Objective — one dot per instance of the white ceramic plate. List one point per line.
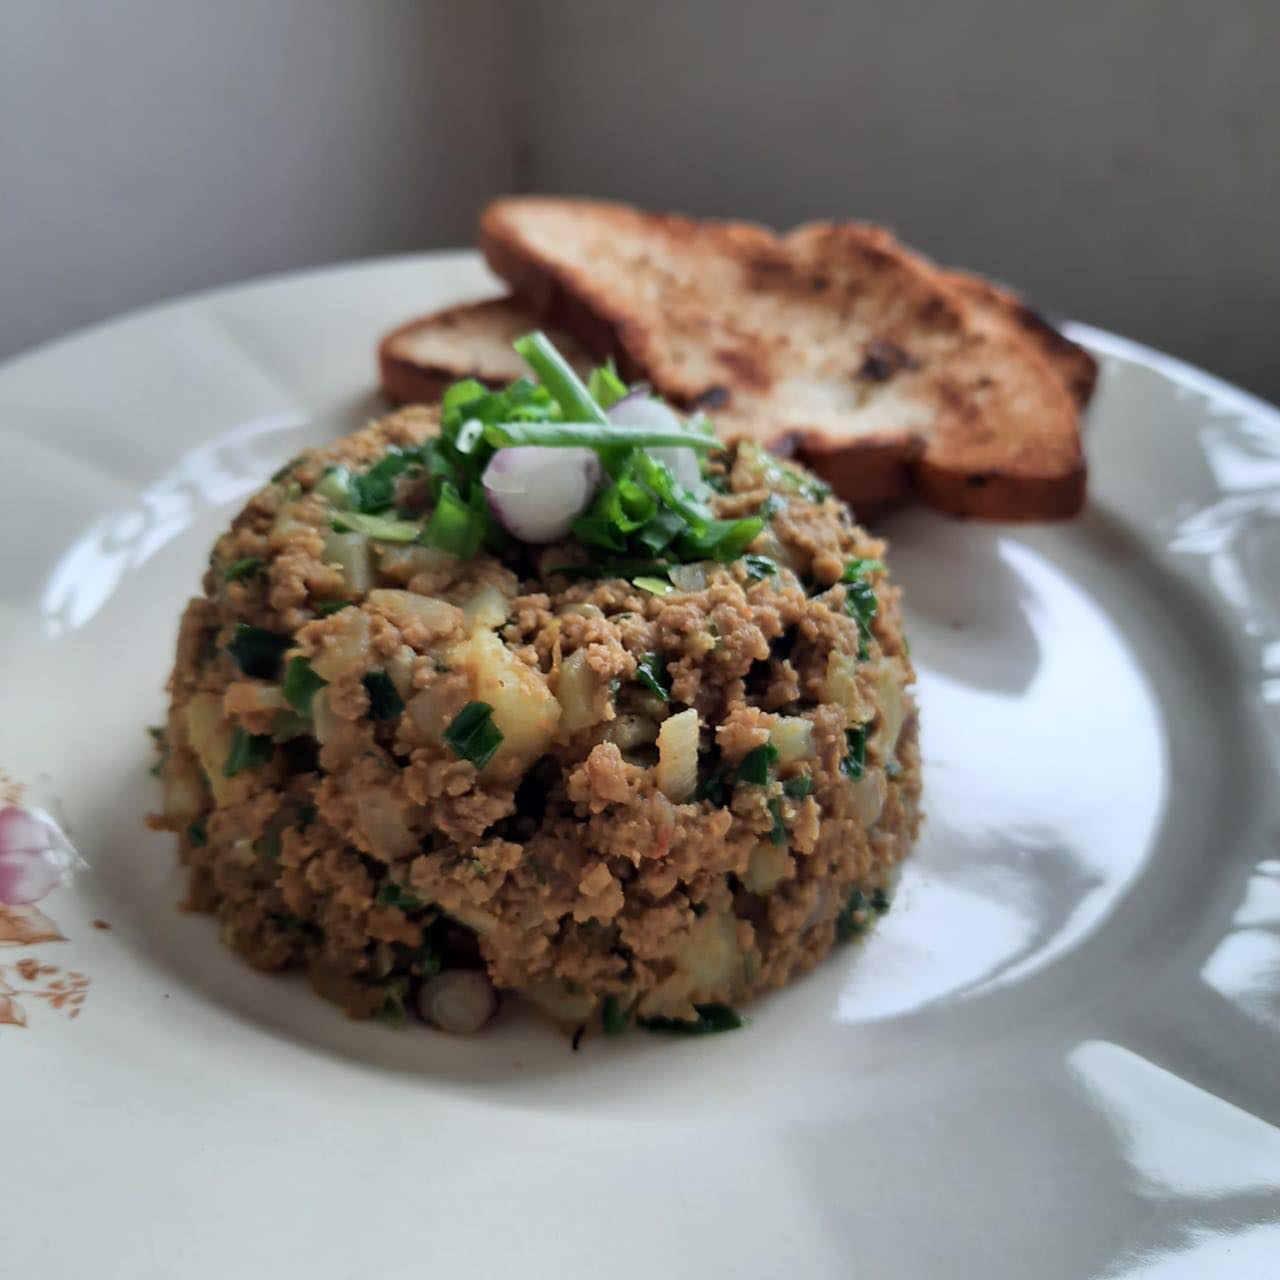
(1059, 1056)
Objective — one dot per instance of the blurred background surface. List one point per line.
(1118, 162)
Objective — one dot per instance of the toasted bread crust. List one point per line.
(834, 339)
(1072, 363)
(418, 361)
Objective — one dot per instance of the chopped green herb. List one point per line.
(712, 1018)
(325, 607)
(375, 490)
(301, 684)
(799, 786)
(879, 901)
(715, 787)
(771, 506)
(557, 376)
(248, 750)
(589, 435)
(853, 918)
(284, 471)
(778, 833)
(380, 528)
(723, 540)
(385, 702)
(605, 387)
(245, 568)
(754, 769)
(161, 739)
(307, 815)
(651, 671)
(335, 485)
(860, 598)
(455, 526)
(855, 761)
(654, 586)
(759, 567)
(257, 652)
(473, 735)
(198, 833)
(426, 960)
(627, 569)
(391, 894)
(613, 1017)
(392, 1012)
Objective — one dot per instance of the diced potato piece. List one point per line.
(210, 733)
(562, 1005)
(579, 690)
(711, 956)
(792, 736)
(346, 646)
(487, 607)
(842, 687)
(524, 708)
(382, 820)
(407, 607)
(352, 554)
(884, 739)
(769, 863)
(401, 562)
(184, 789)
(868, 796)
(427, 711)
(678, 756)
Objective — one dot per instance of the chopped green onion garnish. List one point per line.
(284, 471)
(799, 786)
(628, 569)
(651, 671)
(381, 528)
(860, 598)
(711, 1019)
(654, 586)
(325, 607)
(557, 375)
(385, 702)
(473, 735)
(853, 918)
(391, 894)
(247, 751)
(854, 763)
(198, 833)
(335, 485)
(245, 568)
(577, 435)
(454, 526)
(778, 833)
(257, 652)
(879, 901)
(375, 490)
(754, 769)
(301, 684)
(613, 1017)
(605, 387)
(759, 567)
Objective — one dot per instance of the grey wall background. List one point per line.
(1119, 161)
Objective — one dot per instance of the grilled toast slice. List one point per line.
(417, 361)
(834, 343)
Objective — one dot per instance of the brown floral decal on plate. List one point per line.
(35, 858)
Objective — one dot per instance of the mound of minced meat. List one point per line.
(628, 791)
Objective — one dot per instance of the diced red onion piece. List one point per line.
(638, 410)
(537, 493)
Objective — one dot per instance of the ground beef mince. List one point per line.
(626, 800)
